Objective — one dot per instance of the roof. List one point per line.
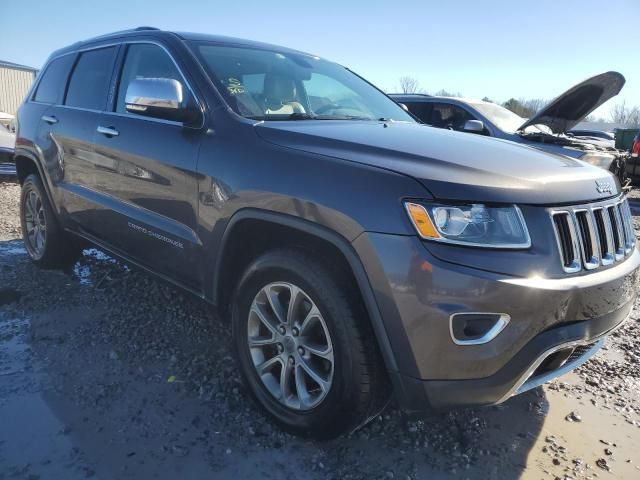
(16, 66)
(155, 32)
(409, 95)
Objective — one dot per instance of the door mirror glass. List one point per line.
(474, 126)
(159, 98)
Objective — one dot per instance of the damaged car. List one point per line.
(548, 130)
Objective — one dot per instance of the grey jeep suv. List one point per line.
(358, 253)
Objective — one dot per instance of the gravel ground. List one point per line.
(107, 373)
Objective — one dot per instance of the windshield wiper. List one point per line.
(291, 116)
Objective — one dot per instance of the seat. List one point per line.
(280, 96)
(436, 119)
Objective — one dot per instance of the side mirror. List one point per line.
(474, 126)
(160, 98)
(404, 107)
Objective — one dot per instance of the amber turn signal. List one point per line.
(421, 220)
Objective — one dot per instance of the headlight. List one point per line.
(474, 225)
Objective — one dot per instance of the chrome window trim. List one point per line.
(124, 42)
(139, 117)
(501, 323)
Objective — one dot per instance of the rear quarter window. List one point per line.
(90, 79)
(51, 86)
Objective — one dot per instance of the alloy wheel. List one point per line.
(290, 346)
(35, 222)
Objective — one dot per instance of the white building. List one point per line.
(15, 82)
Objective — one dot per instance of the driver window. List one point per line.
(145, 60)
(450, 116)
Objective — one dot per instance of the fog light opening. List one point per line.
(476, 328)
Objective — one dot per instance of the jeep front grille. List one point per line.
(592, 236)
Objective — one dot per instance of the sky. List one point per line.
(494, 48)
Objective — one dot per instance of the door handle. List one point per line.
(108, 131)
(50, 119)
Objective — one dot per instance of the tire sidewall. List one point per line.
(32, 184)
(337, 404)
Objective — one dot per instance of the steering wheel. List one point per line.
(327, 107)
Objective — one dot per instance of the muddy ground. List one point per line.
(106, 373)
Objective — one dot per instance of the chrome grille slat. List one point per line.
(592, 236)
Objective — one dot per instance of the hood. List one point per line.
(451, 165)
(573, 106)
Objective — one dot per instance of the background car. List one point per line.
(593, 134)
(547, 130)
(633, 162)
(7, 143)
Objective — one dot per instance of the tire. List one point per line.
(50, 246)
(358, 386)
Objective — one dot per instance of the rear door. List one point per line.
(145, 173)
(74, 126)
(39, 125)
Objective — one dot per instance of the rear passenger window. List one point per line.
(89, 84)
(422, 110)
(145, 60)
(53, 80)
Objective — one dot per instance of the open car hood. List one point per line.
(570, 108)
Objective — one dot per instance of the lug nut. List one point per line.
(301, 350)
(295, 331)
(291, 361)
(280, 348)
(282, 330)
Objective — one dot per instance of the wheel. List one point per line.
(46, 243)
(306, 351)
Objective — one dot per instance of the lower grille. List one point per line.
(557, 362)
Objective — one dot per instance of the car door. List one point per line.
(145, 172)
(40, 121)
(73, 131)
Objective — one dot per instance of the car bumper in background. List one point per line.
(7, 164)
(555, 324)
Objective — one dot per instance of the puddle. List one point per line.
(14, 247)
(83, 273)
(82, 270)
(99, 255)
(13, 346)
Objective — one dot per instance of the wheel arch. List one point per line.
(27, 164)
(269, 228)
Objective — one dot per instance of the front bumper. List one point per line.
(417, 293)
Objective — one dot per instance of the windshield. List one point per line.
(502, 118)
(269, 85)
(505, 119)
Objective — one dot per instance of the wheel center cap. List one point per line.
(289, 344)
